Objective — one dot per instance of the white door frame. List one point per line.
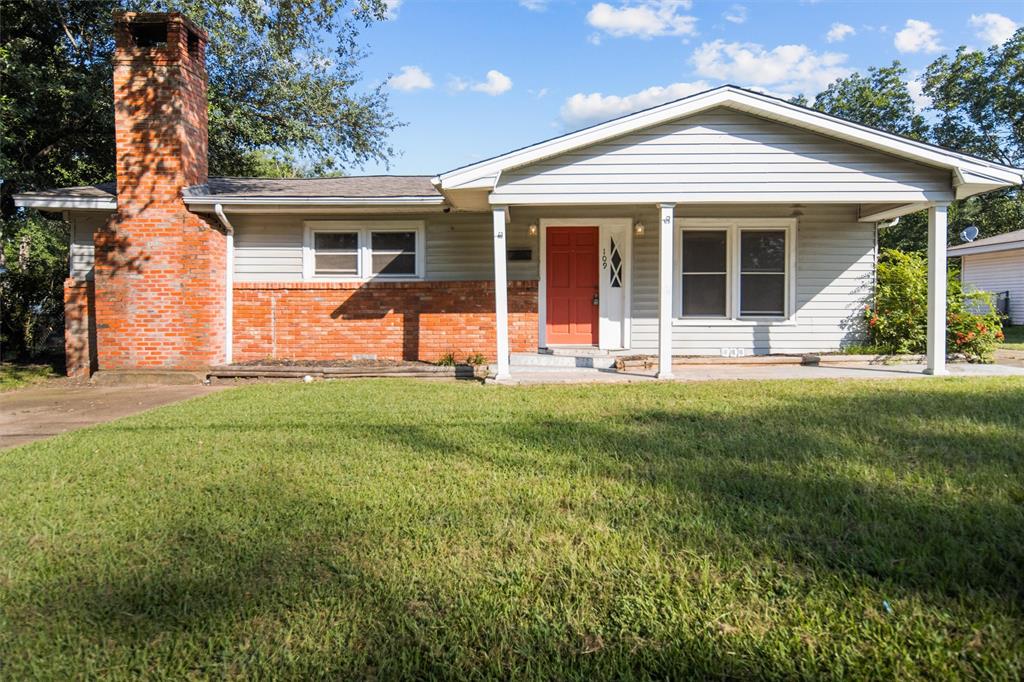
(605, 226)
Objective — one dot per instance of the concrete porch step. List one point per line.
(598, 360)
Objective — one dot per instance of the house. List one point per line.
(725, 222)
(995, 264)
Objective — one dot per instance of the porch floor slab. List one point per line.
(852, 370)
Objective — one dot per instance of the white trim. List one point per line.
(364, 260)
(369, 202)
(500, 236)
(83, 204)
(734, 227)
(895, 212)
(542, 289)
(742, 100)
(666, 273)
(936, 333)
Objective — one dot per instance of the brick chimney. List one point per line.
(159, 273)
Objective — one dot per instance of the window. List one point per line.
(763, 273)
(393, 253)
(337, 249)
(705, 283)
(336, 253)
(734, 269)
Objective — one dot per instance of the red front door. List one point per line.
(572, 285)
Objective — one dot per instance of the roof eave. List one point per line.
(64, 203)
(225, 200)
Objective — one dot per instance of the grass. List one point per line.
(17, 375)
(390, 528)
(1014, 338)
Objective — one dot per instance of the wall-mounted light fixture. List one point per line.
(638, 230)
(532, 230)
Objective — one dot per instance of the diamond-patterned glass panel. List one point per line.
(616, 263)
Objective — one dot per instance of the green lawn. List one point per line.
(1014, 337)
(397, 528)
(16, 375)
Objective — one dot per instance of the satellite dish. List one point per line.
(969, 233)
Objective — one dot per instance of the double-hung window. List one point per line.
(359, 250)
(735, 269)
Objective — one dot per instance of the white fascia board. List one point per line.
(512, 199)
(894, 212)
(369, 202)
(64, 203)
(971, 249)
(741, 100)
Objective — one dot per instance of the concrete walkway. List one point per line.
(33, 413)
(853, 370)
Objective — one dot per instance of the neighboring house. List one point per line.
(995, 264)
(726, 222)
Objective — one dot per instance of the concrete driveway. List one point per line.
(33, 413)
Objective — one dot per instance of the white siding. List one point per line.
(82, 251)
(834, 280)
(268, 247)
(723, 155)
(995, 272)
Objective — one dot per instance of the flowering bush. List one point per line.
(898, 321)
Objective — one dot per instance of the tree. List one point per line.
(979, 99)
(881, 99)
(283, 77)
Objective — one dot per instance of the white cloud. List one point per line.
(994, 29)
(411, 78)
(392, 8)
(495, 84)
(736, 14)
(917, 36)
(583, 108)
(839, 32)
(916, 90)
(594, 39)
(788, 69)
(643, 19)
(534, 5)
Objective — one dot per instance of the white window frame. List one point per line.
(733, 228)
(364, 262)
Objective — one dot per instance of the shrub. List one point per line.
(898, 321)
(476, 359)
(447, 360)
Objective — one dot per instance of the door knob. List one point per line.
(597, 299)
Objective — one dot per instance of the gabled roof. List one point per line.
(975, 175)
(1007, 241)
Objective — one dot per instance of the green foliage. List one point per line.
(14, 376)
(881, 99)
(898, 321)
(447, 360)
(33, 253)
(476, 359)
(395, 529)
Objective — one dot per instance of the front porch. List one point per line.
(792, 278)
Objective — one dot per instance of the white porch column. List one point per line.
(666, 232)
(500, 293)
(937, 290)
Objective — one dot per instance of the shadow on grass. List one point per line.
(811, 485)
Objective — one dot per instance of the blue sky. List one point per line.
(475, 78)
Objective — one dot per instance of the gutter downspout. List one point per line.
(229, 281)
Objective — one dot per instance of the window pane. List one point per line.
(336, 264)
(393, 241)
(394, 264)
(704, 295)
(336, 241)
(763, 251)
(763, 295)
(704, 251)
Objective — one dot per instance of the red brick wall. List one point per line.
(79, 328)
(159, 268)
(394, 321)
